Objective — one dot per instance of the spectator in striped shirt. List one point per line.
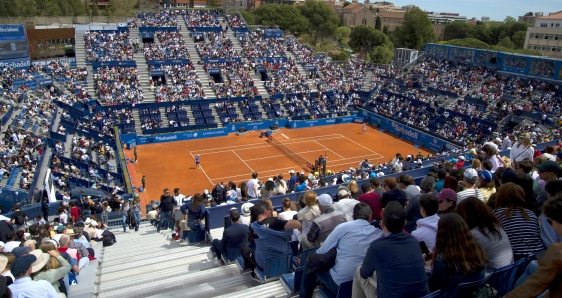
(469, 178)
(520, 224)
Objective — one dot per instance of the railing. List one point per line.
(122, 161)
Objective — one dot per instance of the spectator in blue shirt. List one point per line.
(351, 241)
(196, 211)
(394, 263)
(292, 180)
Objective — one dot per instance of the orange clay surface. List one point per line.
(234, 158)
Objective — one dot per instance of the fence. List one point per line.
(123, 161)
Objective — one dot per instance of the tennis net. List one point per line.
(290, 153)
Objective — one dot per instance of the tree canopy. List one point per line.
(372, 42)
(490, 33)
(322, 20)
(415, 30)
(287, 17)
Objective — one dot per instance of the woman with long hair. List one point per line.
(452, 183)
(493, 157)
(196, 211)
(458, 258)
(520, 224)
(308, 214)
(241, 190)
(353, 189)
(268, 189)
(522, 149)
(63, 216)
(270, 207)
(487, 231)
(44, 268)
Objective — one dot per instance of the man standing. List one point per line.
(167, 203)
(252, 186)
(292, 180)
(351, 241)
(179, 201)
(372, 199)
(233, 238)
(143, 181)
(24, 286)
(197, 161)
(135, 153)
(389, 260)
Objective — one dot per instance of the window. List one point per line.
(544, 25)
(546, 36)
(557, 25)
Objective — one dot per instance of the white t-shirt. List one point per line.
(179, 199)
(250, 186)
(10, 245)
(287, 215)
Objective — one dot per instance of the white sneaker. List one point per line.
(182, 240)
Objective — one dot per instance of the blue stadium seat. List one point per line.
(466, 289)
(274, 268)
(196, 236)
(344, 291)
(503, 279)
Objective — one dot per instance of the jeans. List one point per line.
(310, 280)
(124, 217)
(195, 226)
(138, 217)
(217, 247)
(166, 220)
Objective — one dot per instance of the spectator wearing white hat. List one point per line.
(246, 213)
(346, 203)
(323, 225)
(41, 268)
(469, 177)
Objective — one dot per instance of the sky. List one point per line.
(497, 10)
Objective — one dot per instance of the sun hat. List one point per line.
(246, 208)
(41, 259)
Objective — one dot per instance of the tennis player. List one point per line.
(364, 128)
(197, 161)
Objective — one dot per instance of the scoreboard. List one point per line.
(13, 42)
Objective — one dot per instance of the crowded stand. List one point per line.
(256, 45)
(118, 85)
(165, 18)
(237, 81)
(169, 45)
(216, 45)
(195, 18)
(304, 55)
(234, 21)
(284, 77)
(182, 83)
(73, 79)
(340, 76)
(109, 46)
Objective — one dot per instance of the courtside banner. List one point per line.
(191, 135)
(319, 122)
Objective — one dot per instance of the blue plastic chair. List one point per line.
(344, 291)
(274, 268)
(300, 261)
(467, 288)
(503, 279)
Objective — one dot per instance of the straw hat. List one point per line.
(42, 259)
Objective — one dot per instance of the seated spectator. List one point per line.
(487, 231)
(343, 251)
(246, 212)
(548, 233)
(486, 184)
(392, 192)
(345, 203)
(520, 224)
(24, 286)
(233, 238)
(427, 226)
(469, 178)
(457, 258)
(407, 184)
(50, 266)
(370, 198)
(547, 274)
(306, 215)
(323, 225)
(273, 235)
(289, 209)
(447, 201)
(413, 209)
(390, 259)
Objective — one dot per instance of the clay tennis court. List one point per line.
(234, 158)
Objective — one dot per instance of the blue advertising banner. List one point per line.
(168, 62)
(221, 60)
(273, 33)
(131, 63)
(258, 125)
(44, 81)
(319, 122)
(15, 63)
(214, 70)
(240, 29)
(182, 136)
(157, 73)
(12, 31)
(409, 134)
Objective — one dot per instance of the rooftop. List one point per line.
(553, 15)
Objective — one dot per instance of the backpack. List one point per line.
(108, 238)
(19, 220)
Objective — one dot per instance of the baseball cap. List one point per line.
(246, 208)
(447, 193)
(22, 264)
(291, 172)
(345, 178)
(20, 251)
(548, 166)
(206, 192)
(325, 200)
(470, 175)
(486, 176)
(498, 140)
(525, 136)
(342, 193)
(461, 157)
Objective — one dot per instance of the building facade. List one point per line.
(356, 14)
(546, 35)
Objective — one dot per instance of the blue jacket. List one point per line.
(199, 213)
(271, 243)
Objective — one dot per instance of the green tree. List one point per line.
(385, 30)
(378, 23)
(516, 27)
(214, 3)
(519, 39)
(458, 30)
(346, 3)
(415, 30)
(342, 35)
(287, 17)
(483, 33)
(506, 43)
(509, 20)
(122, 7)
(95, 9)
(248, 17)
(322, 20)
(382, 54)
(372, 42)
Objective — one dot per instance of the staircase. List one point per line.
(164, 117)
(142, 69)
(80, 51)
(138, 124)
(235, 43)
(368, 81)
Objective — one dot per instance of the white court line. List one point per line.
(250, 174)
(328, 149)
(360, 145)
(242, 160)
(286, 155)
(289, 142)
(202, 169)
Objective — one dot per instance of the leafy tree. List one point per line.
(371, 42)
(415, 31)
(378, 23)
(287, 17)
(483, 33)
(214, 3)
(509, 20)
(519, 39)
(515, 27)
(458, 30)
(385, 30)
(346, 3)
(381, 54)
(122, 7)
(339, 55)
(95, 9)
(506, 43)
(249, 17)
(342, 35)
(322, 20)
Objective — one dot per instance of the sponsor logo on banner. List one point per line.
(408, 132)
(168, 138)
(215, 132)
(16, 63)
(331, 121)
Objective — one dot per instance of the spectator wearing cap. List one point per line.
(460, 162)
(370, 198)
(548, 171)
(351, 241)
(345, 203)
(382, 273)
(520, 224)
(43, 268)
(306, 215)
(522, 149)
(233, 237)
(392, 192)
(486, 184)
(323, 225)
(427, 226)
(447, 201)
(469, 178)
(246, 213)
(24, 286)
(21, 251)
(412, 211)
(292, 179)
(79, 246)
(548, 274)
